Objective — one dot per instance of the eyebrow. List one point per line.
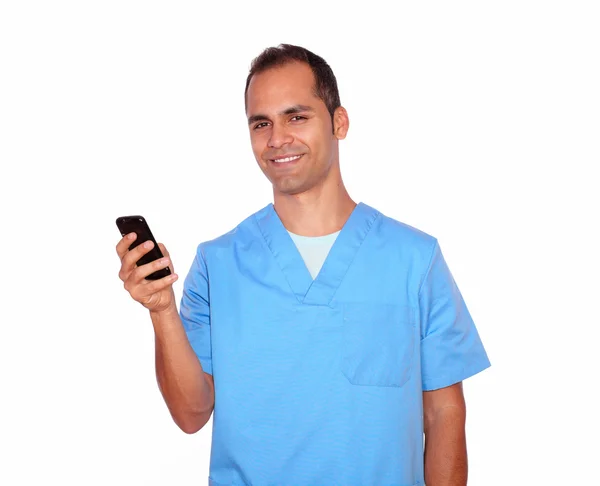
(288, 111)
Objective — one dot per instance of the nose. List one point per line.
(279, 136)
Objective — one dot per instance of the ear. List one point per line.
(341, 123)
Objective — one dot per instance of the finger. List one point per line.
(165, 252)
(163, 248)
(132, 256)
(124, 244)
(129, 261)
(141, 292)
(139, 274)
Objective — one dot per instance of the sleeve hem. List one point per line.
(206, 366)
(451, 379)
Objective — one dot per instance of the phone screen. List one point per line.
(139, 226)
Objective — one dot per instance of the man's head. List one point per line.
(293, 108)
(325, 84)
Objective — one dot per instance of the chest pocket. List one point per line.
(378, 342)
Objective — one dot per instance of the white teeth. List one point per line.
(287, 159)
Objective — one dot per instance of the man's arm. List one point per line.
(188, 391)
(444, 415)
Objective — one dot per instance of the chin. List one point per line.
(289, 188)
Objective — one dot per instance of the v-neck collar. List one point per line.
(321, 290)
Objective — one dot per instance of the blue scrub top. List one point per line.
(319, 382)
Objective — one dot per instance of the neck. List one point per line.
(316, 212)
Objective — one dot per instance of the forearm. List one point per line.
(180, 376)
(446, 448)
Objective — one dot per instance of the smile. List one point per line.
(286, 159)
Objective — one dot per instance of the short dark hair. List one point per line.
(325, 83)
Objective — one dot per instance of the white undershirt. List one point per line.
(314, 250)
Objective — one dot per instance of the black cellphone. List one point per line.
(138, 225)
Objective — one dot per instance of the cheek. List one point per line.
(306, 136)
(316, 134)
(258, 146)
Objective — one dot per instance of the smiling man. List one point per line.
(330, 340)
(295, 136)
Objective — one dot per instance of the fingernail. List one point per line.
(131, 236)
(148, 244)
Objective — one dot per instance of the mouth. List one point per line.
(290, 159)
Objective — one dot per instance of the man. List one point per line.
(326, 336)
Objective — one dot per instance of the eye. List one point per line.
(298, 117)
(259, 125)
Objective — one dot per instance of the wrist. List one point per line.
(164, 314)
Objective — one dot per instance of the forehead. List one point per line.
(280, 87)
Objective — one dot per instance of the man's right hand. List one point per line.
(188, 391)
(154, 295)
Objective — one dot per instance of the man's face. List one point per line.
(290, 128)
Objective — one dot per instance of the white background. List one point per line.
(476, 122)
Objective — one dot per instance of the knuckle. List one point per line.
(135, 274)
(129, 259)
(129, 284)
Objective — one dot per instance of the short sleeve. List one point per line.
(451, 349)
(195, 311)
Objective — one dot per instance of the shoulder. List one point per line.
(244, 233)
(399, 233)
(404, 245)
